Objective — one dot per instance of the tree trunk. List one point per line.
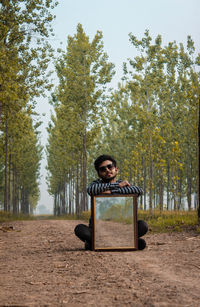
(9, 183)
(63, 200)
(70, 192)
(144, 188)
(26, 203)
(175, 201)
(17, 192)
(161, 188)
(58, 203)
(6, 162)
(189, 187)
(150, 181)
(180, 190)
(0, 110)
(77, 189)
(168, 185)
(198, 187)
(73, 192)
(14, 191)
(66, 199)
(54, 208)
(22, 200)
(85, 205)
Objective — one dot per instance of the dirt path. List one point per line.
(44, 264)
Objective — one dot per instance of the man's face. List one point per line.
(107, 171)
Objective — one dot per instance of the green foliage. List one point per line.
(151, 121)
(25, 27)
(148, 123)
(83, 71)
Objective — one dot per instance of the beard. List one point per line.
(107, 180)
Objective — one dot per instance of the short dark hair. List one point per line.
(101, 159)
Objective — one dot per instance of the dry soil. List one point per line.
(42, 263)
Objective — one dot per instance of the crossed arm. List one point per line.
(122, 187)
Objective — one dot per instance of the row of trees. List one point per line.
(149, 123)
(83, 72)
(155, 114)
(25, 26)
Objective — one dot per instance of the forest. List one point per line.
(25, 52)
(149, 123)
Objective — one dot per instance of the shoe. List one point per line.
(88, 246)
(141, 244)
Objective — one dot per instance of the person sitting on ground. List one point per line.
(107, 170)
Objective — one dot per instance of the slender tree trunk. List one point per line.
(198, 151)
(175, 202)
(81, 209)
(22, 200)
(155, 199)
(150, 181)
(67, 194)
(26, 203)
(17, 192)
(73, 192)
(77, 189)
(189, 199)
(81, 192)
(54, 208)
(145, 187)
(189, 187)
(150, 157)
(161, 188)
(58, 203)
(168, 185)
(14, 198)
(6, 165)
(174, 191)
(18, 196)
(63, 200)
(85, 205)
(0, 109)
(9, 183)
(70, 192)
(180, 190)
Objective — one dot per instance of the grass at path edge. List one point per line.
(165, 221)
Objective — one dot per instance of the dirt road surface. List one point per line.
(42, 263)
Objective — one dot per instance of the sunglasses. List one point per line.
(108, 166)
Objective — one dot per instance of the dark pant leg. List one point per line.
(83, 232)
(142, 228)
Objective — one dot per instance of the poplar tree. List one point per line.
(83, 71)
(25, 27)
(156, 139)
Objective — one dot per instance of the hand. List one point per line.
(106, 192)
(124, 184)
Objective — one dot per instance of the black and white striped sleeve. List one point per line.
(128, 190)
(97, 187)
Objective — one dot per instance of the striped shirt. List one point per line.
(98, 186)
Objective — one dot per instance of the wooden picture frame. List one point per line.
(114, 222)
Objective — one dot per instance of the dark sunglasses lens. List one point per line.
(110, 166)
(103, 168)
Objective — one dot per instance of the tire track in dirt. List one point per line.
(44, 264)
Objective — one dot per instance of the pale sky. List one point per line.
(174, 20)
